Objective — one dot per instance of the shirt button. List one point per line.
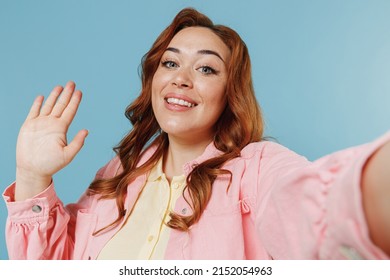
(150, 238)
(184, 211)
(36, 208)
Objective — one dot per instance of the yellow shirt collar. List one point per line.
(156, 172)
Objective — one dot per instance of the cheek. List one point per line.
(160, 79)
(219, 96)
(155, 82)
(222, 101)
(217, 104)
(153, 96)
(156, 88)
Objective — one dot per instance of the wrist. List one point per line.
(29, 184)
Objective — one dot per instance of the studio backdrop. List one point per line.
(321, 71)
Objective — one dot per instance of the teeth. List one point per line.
(181, 102)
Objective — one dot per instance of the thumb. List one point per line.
(75, 146)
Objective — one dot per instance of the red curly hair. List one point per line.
(240, 124)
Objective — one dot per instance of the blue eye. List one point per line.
(207, 70)
(169, 64)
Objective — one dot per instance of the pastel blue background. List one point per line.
(321, 70)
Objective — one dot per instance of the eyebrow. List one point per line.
(209, 52)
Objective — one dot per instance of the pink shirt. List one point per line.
(279, 206)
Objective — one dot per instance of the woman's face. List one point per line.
(188, 88)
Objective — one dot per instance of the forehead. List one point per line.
(193, 39)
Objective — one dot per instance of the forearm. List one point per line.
(376, 197)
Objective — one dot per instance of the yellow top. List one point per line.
(144, 234)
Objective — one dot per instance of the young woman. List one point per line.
(194, 179)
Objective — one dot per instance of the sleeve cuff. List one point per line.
(32, 210)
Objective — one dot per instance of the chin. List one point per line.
(176, 132)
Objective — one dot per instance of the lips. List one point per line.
(177, 100)
(180, 102)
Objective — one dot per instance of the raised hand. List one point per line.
(42, 148)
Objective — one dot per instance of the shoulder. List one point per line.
(114, 166)
(267, 149)
(110, 169)
(266, 155)
(269, 157)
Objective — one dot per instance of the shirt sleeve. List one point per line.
(42, 227)
(37, 228)
(314, 210)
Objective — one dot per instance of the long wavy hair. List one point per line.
(240, 124)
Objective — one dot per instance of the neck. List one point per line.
(179, 153)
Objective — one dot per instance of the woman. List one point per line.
(193, 179)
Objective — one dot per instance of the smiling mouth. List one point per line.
(180, 102)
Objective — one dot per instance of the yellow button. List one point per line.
(150, 238)
(176, 185)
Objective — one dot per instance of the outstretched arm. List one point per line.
(376, 197)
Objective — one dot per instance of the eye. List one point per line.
(207, 70)
(169, 64)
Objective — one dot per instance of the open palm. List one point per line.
(42, 148)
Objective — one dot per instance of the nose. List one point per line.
(182, 78)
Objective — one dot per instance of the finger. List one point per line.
(71, 109)
(75, 146)
(63, 101)
(51, 100)
(35, 108)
